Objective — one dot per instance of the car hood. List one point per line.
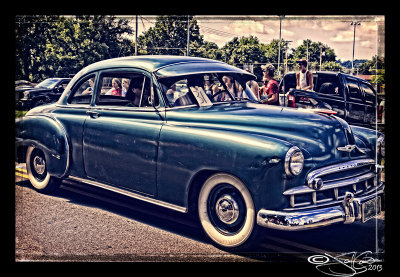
(318, 135)
(38, 90)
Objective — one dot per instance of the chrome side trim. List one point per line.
(131, 194)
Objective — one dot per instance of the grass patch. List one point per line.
(20, 113)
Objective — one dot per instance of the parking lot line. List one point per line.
(21, 175)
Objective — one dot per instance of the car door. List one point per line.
(369, 102)
(72, 116)
(120, 139)
(354, 103)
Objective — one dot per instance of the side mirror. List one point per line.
(60, 89)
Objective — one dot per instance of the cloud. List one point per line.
(344, 36)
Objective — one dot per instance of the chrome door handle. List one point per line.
(93, 114)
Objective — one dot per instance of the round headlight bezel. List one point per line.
(294, 161)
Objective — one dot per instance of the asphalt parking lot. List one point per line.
(82, 224)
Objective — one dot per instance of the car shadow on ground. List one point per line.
(275, 246)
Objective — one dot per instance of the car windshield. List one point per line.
(48, 83)
(205, 89)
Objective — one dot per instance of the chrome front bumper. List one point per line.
(351, 209)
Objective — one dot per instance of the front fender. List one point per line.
(366, 138)
(47, 134)
(255, 159)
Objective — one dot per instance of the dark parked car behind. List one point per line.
(47, 91)
(352, 98)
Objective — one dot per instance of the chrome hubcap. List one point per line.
(39, 164)
(227, 209)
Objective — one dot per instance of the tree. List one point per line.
(370, 66)
(243, 50)
(316, 50)
(331, 66)
(169, 36)
(56, 46)
(31, 34)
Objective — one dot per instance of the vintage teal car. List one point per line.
(187, 134)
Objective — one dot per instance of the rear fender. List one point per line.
(47, 134)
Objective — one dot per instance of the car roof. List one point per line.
(149, 62)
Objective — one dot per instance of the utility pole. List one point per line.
(279, 44)
(136, 31)
(354, 23)
(188, 35)
(320, 58)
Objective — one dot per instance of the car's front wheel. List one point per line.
(226, 211)
(36, 168)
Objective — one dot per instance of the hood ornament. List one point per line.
(349, 148)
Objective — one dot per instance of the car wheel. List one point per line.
(36, 168)
(226, 211)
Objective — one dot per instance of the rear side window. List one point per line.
(354, 91)
(369, 93)
(328, 84)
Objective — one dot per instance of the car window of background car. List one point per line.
(80, 93)
(328, 84)
(369, 92)
(354, 91)
(48, 83)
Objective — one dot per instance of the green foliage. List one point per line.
(169, 36)
(57, 46)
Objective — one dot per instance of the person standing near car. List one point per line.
(304, 78)
(269, 93)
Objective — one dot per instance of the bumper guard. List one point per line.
(350, 210)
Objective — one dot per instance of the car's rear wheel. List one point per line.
(36, 168)
(226, 211)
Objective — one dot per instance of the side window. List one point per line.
(177, 94)
(126, 89)
(369, 92)
(354, 91)
(328, 84)
(82, 93)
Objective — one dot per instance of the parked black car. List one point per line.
(352, 98)
(47, 91)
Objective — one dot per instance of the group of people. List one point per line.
(269, 92)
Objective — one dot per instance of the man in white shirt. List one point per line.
(304, 78)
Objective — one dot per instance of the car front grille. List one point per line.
(358, 177)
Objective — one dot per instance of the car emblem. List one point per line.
(347, 148)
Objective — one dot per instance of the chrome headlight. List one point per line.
(294, 161)
(380, 145)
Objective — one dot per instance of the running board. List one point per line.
(131, 194)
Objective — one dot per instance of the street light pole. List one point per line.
(279, 44)
(354, 23)
(188, 33)
(136, 31)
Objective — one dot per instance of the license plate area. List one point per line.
(371, 208)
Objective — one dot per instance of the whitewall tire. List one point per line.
(226, 211)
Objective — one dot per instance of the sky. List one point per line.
(334, 31)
